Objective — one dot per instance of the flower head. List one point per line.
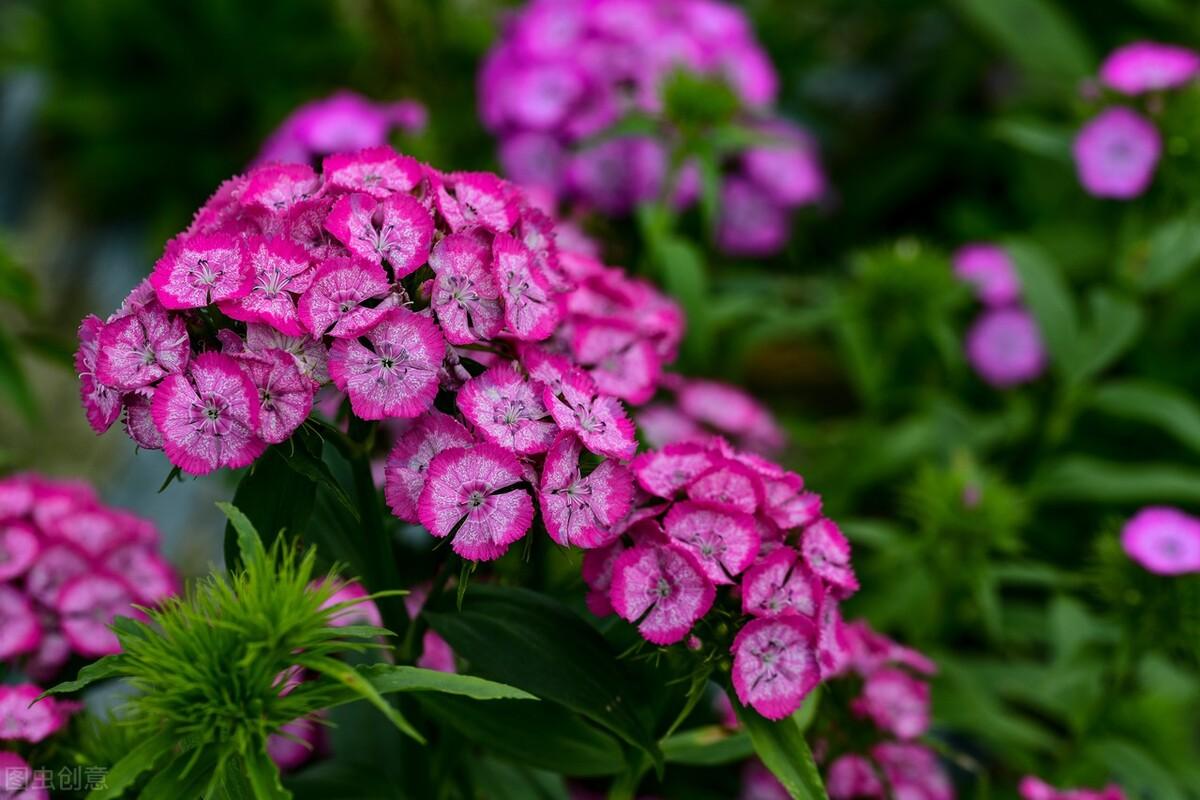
(1116, 153)
(202, 269)
(409, 459)
(23, 719)
(775, 664)
(1005, 347)
(577, 509)
(1141, 67)
(506, 409)
(1165, 541)
(662, 588)
(989, 270)
(392, 369)
(343, 122)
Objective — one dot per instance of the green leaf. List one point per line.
(543, 735)
(1049, 298)
(681, 267)
(138, 761)
(13, 381)
(1036, 137)
(1137, 770)
(359, 685)
(527, 640)
(707, 746)
(783, 750)
(1114, 325)
(1036, 35)
(107, 667)
(1088, 479)
(264, 776)
(185, 778)
(318, 472)
(503, 781)
(386, 678)
(1164, 407)
(250, 545)
(274, 498)
(1173, 250)
(16, 283)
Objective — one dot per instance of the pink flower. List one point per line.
(661, 424)
(827, 554)
(530, 309)
(362, 611)
(209, 417)
(139, 349)
(55, 565)
(1116, 153)
(896, 702)
(852, 777)
(662, 588)
(619, 358)
(758, 783)
(787, 505)
(913, 771)
(507, 410)
(1141, 67)
(1005, 347)
(282, 271)
(1164, 540)
(781, 584)
(729, 485)
(19, 548)
(786, 167)
(296, 743)
(279, 187)
(146, 574)
(723, 542)
(31, 723)
(752, 224)
(344, 122)
(397, 229)
(1032, 788)
(470, 199)
(397, 376)
(20, 631)
(667, 471)
(101, 403)
(285, 397)
(988, 269)
(730, 411)
(409, 459)
(86, 606)
(775, 664)
(598, 420)
(201, 269)
(139, 421)
(335, 302)
(597, 571)
(377, 171)
(475, 494)
(309, 354)
(18, 780)
(466, 296)
(618, 174)
(580, 510)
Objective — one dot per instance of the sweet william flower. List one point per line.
(913, 770)
(282, 272)
(138, 349)
(896, 702)
(775, 664)
(475, 495)
(1116, 153)
(852, 776)
(397, 229)
(409, 459)
(202, 269)
(1163, 540)
(1141, 67)
(781, 584)
(23, 719)
(581, 510)
(343, 122)
(827, 553)
(724, 542)
(1005, 347)
(662, 588)
(506, 409)
(598, 420)
(18, 780)
(21, 632)
(336, 302)
(284, 395)
(990, 272)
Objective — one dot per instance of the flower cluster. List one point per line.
(1163, 540)
(1004, 345)
(396, 282)
(1032, 788)
(708, 516)
(895, 699)
(1117, 151)
(68, 565)
(698, 409)
(564, 72)
(341, 123)
(18, 781)
(21, 719)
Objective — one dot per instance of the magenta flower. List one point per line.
(475, 494)
(397, 229)
(101, 403)
(296, 743)
(1032, 788)
(308, 352)
(730, 486)
(786, 167)
(896, 702)
(786, 504)
(1141, 67)
(664, 472)
(335, 303)
(56, 564)
(397, 375)
(409, 459)
(598, 420)
(17, 779)
(662, 588)
(989, 270)
(23, 719)
(620, 359)
(780, 584)
(581, 510)
(20, 632)
(466, 295)
(596, 571)
(19, 548)
(86, 606)
(619, 174)
(852, 776)
(531, 310)
(506, 409)
(723, 542)
(475, 199)
(209, 416)
(201, 269)
(285, 396)
(139, 349)
(377, 171)
(1165, 541)
(913, 770)
(1005, 347)
(827, 553)
(1116, 153)
(775, 664)
(731, 412)
(282, 271)
(341, 123)
(279, 187)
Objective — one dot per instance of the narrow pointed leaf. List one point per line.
(782, 748)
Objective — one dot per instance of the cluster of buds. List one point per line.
(1117, 151)
(68, 565)
(563, 73)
